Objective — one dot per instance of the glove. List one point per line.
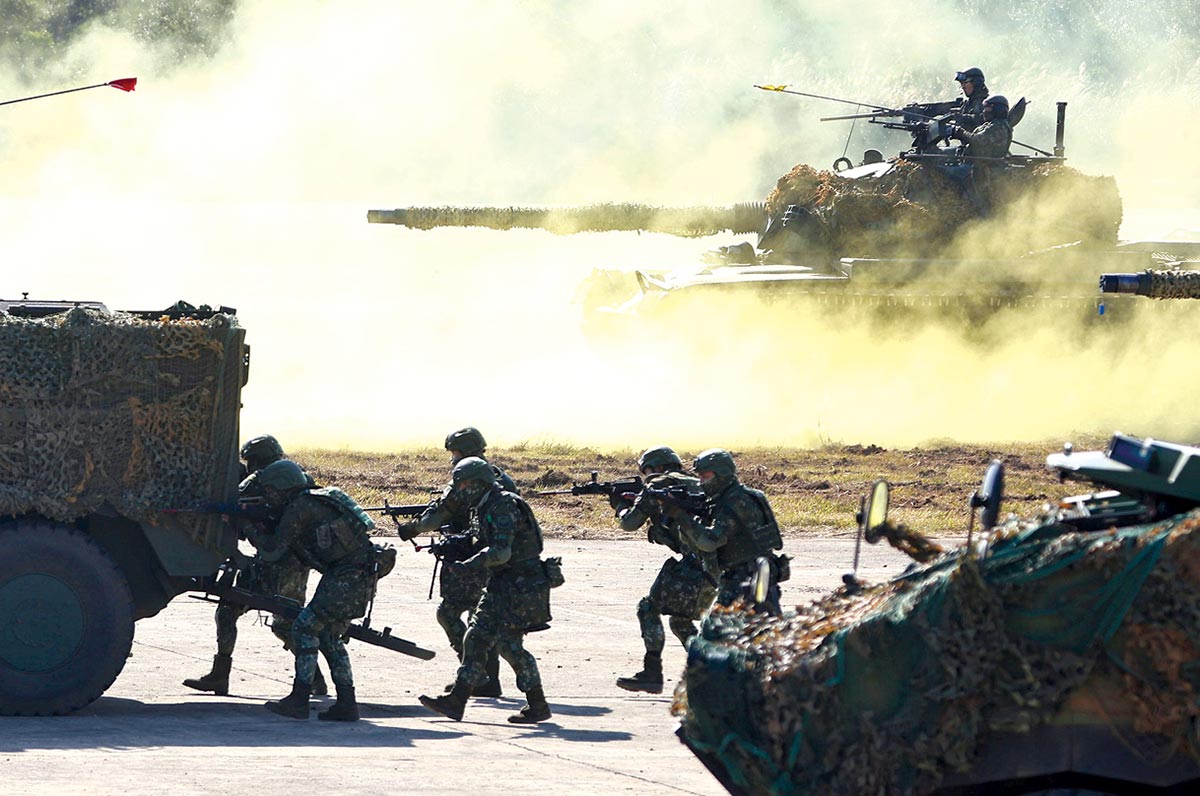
(620, 501)
(954, 131)
(407, 530)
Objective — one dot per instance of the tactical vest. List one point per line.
(527, 541)
(751, 540)
(347, 533)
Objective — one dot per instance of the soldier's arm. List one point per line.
(706, 536)
(501, 519)
(440, 512)
(274, 544)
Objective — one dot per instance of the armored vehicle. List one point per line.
(910, 231)
(1053, 654)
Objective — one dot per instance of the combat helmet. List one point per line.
(662, 456)
(467, 441)
(972, 75)
(998, 104)
(716, 460)
(260, 451)
(283, 476)
(472, 468)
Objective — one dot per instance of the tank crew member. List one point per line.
(739, 525)
(460, 589)
(516, 599)
(285, 578)
(685, 587)
(992, 138)
(970, 113)
(327, 531)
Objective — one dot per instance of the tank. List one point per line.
(116, 430)
(1053, 654)
(909, 231)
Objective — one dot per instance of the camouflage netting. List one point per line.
(915, 210)
(890, 689)
(1174, 284)
(109, 409)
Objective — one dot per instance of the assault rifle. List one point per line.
(625, 486)
(247, 507)
(679, 496)
(219, 588)
(402, 510)
(453, 547)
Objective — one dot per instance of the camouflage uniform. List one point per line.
(970, 113)
(990, 140)
(684, 588)
(325, 530)
(286, 578)
(460, 588)
(516, 598)
(739, 526)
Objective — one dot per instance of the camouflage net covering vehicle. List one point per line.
(1059, 652)
(118, 437)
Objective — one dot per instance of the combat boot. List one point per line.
(536, 708)
(216, 681)
(346, 707)
(649, 679)
(295, 704)
(450, 705)
(319, 688)
(491, 686)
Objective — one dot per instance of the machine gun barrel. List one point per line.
(595, 486)
(689, 222)
(402, 510)
(1169, 284)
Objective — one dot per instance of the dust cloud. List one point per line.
(244, 180)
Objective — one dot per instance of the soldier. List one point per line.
(460, 589)
(970, 113)
(685, 587)
(516, 599)
(327, 531)
(739, 525)
(285, 578)
(992, 138)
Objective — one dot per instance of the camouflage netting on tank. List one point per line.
(102, 409)
(1174, 284)
(890, 689)
(916, 210)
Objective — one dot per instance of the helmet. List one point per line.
(283, 475)
(716, 460)
(258, 452)
(467, 441)
(973, 75)
(472, 468)
(662, 456)
(999, 105)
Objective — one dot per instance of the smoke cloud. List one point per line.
(244, 179)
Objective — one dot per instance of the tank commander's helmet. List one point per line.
(662, 456)
(973, 75)
(260, 451)
(995, 107)
(466, 442)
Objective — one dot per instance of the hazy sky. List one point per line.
(244, 180)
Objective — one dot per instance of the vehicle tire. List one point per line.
(66, 619)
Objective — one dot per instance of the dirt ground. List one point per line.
(151, 735)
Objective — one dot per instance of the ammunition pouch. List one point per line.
(524, 591)
(783, 568)
(682, 588)
(553, 569)
(385, 560)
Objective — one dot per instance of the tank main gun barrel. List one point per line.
(688, 222)
(1173, 284)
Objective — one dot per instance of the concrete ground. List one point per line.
(149, 734)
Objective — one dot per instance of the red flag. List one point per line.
(125, 83)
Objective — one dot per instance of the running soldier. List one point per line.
(327, 531)
(459, 588)
(285, 578)
(516, 599)
(685, 586)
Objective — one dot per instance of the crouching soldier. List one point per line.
(740, 526)
(516, 599)
(327, 531)
(685, 586)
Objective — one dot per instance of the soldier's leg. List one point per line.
(282, 628)
(683, 628)
(305, 641)
(450, 617)
(334, 650)
(479, 641)
(217, 679)
(511, 647)
(650, 678)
